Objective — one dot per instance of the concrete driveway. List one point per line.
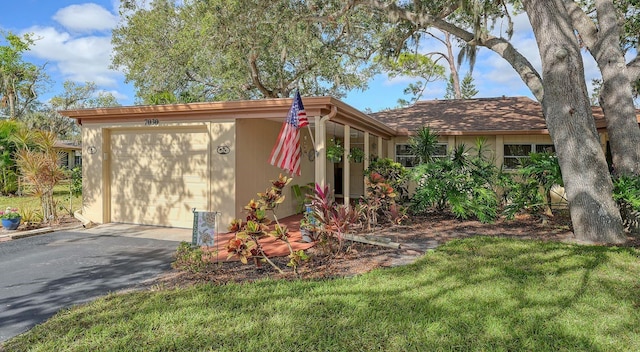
(42, 274)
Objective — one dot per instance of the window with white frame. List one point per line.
(514, 153)
(407, 159)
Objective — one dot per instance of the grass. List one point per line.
(477, 294)
(30, 203)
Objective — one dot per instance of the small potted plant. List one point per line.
(10, 218)
(335, 151)
(356, 155)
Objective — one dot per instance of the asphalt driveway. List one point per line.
(42, 274)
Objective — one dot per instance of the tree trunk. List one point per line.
(616, 98)
(455, 77)
(48, 206)
(567, 110)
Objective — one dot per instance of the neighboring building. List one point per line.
(512, 126)
(152, 165)
(70, 153)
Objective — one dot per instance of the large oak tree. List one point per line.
(242, 49)
(564, 97)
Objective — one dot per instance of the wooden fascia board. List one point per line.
(266, 108)
(246, 109)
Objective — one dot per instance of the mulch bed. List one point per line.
(419, 232)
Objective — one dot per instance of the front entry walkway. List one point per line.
(272, 246)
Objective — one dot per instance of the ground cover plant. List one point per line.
(479, 293)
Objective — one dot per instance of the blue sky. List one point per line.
(75, 42)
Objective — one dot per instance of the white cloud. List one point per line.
(79, 59)
(87, 17)
(119, 96)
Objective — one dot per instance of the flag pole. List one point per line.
(313, 142)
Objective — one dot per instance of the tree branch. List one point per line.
(255, 76)
(500, 46)
(633, 69)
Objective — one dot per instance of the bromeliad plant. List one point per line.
(246, 243)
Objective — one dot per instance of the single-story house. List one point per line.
(152, 165)
(70, 153)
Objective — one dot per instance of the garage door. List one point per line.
(158, 176)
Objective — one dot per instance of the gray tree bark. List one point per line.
(616, 98)
(594, 214)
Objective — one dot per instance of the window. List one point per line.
(77, 158)
(545, 148)
(64, 159)
(404, 156)
(513, 153)
(441, 151)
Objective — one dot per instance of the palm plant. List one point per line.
(39, 166)
(423, 144)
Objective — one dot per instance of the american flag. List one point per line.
(286, 152)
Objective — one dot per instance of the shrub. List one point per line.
(532, 186)
(76, 181)
(31, 217)
(394, 174)
(462, 184)
(380, 202)
(626, 193)
(334, 220)
(246, 242)
(191, 259)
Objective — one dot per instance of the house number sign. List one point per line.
(151, 122)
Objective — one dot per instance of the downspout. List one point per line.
(86, 223)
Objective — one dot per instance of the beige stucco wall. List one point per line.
(255, 139)
(223, 171)
(92, 175)
(495, 144)
(96, 167)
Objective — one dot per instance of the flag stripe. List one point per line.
(286, 152)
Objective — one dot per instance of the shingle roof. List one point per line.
(504, 115)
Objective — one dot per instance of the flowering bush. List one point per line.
(9, 213)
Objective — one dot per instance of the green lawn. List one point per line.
(28, 203)
(478, 294)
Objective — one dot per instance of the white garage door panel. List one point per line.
(159, 176)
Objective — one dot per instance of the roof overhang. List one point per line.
(275, 109)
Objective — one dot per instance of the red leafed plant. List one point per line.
(246, 242)
(334, 219)
(380, 200)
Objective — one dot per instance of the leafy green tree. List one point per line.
(561, 89)
(246, 49)
(8, 170)
(74, 96)
(413, 65)
(19, 80)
